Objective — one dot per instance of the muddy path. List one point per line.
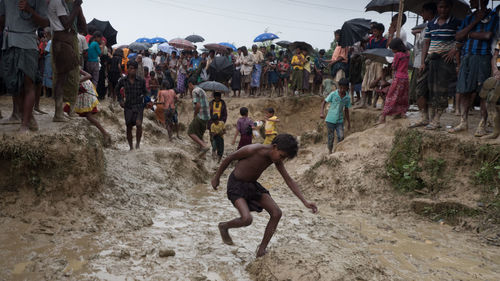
(158, 199)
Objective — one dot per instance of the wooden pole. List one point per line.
(400, 17)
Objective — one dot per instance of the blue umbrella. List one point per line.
(229, 46)
(158, 40)
(143, 40)
(132, 55)
(265, 37)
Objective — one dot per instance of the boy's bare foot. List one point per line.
(261, 252)
(224, 233)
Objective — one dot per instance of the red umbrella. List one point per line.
(216, 47)
(181, 44)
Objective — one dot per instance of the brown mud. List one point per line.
(71, 209)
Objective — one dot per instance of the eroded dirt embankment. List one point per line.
(114, 210)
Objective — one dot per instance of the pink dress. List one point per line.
(396, 101)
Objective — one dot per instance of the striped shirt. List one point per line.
(442, 36)
(480, 47)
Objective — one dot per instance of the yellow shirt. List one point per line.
(307, 65)
(296, 60)
(217, 129)
(271, 126)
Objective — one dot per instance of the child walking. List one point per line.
(270, 127)
(396, 102)
(340, 102)
(217, 132)
(248, 195)
(244, 128)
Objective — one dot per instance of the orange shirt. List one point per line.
(340, 52)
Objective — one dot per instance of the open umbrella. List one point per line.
(106, 29)
(143, 40)
(460, 8)
(301, 45)
(216, 47)
(195, 38)
(132, 55)
(265, 37)
(229, 45)
(136, 47)
(182, 44)
(214, 86)
(379, 55)
(353, 31)
(122, 47)
(157, 40)
(283, 43)
(221, 69)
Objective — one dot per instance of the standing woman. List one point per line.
(94, 51)
(115, 71)
(236, 78)
(396, 102)
(181, 74)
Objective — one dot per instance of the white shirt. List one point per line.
(56, 9)
(402, 35)
(82, 43)
(148, 62)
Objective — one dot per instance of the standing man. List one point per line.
(476, 33)
(201, 116)
(65, 55)
(135, 91)
(19, 63)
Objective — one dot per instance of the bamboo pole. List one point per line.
(400, 17)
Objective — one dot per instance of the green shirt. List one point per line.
(337, 104)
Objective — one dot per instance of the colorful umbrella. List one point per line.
(265, 37)
(215, 47)
(143, 40)
(158, 40)
(182, 44)
(229, 45)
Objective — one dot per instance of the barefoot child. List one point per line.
(86, 104)
(244, 128)
(248, 195)
(217, 133)
(340, 102)
(270, 126)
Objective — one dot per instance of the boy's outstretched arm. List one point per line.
(242, 153)
(294, 187)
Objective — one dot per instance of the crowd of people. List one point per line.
(55, 54)
(49, 50)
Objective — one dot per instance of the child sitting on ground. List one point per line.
(244, 128)
(248, 195)
(217, 133)
(340, 102)
(270, 127)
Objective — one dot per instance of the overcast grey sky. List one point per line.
(233, 21)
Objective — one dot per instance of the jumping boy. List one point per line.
(340, 102)
(248, 195)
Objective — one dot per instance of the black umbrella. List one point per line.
(460, 8)
(353, 31)
(283, 44)
(106, 29)
(378, 55)
(221, 69)
(301, 45)
(195, 38)
(214, 86)
(138, 47)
